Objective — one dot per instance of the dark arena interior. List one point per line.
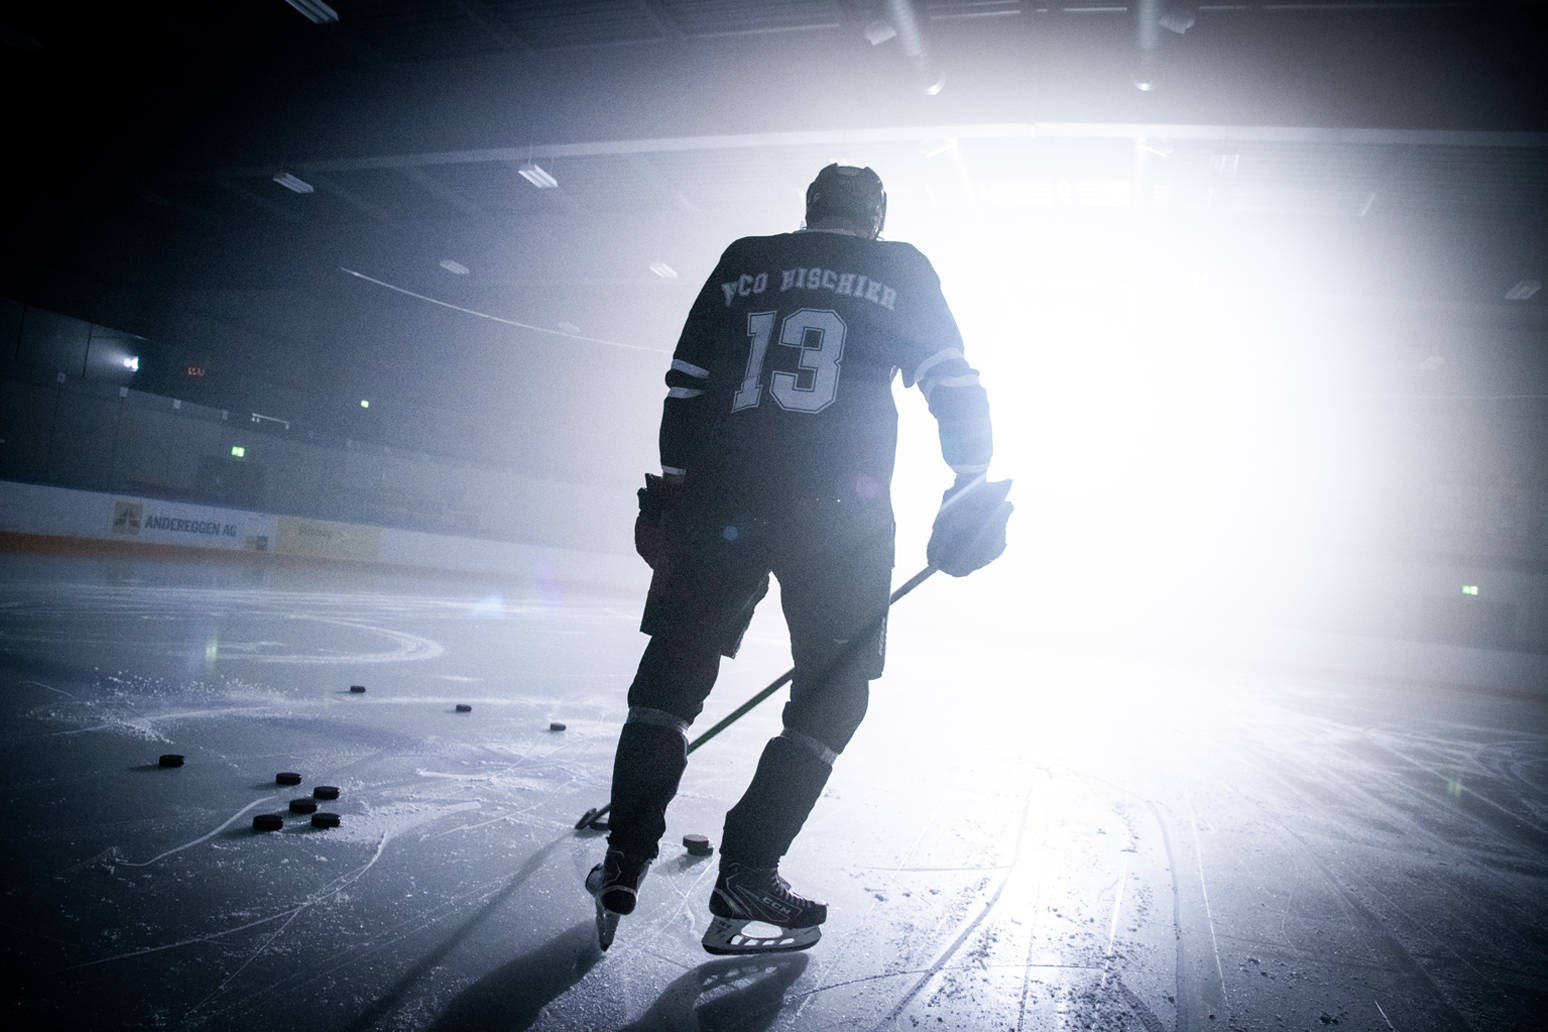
(334, 343)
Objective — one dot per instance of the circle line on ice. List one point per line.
(411, 647)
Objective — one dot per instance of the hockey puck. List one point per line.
(325, 819)
(555, 726)
(303, 805)
(325, 792)
(268, 822)
(287, 777)
(171, 759)
(697, 845)
(463, 707)
(357, 689)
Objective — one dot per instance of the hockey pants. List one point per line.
(668, 692)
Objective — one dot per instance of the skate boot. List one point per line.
(750, 894)
(615, 885)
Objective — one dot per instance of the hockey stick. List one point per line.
(591, 817)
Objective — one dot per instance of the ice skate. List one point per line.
(615, 885)
(745, 895)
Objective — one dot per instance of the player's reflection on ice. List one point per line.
(743, 993)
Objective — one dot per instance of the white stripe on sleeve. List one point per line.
(692, 370)
(944, 355)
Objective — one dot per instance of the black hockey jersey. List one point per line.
(781, 383)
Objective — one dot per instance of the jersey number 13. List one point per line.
(818, 334)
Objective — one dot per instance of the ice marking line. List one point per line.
(1384, 1015)
(202, 838)
(500, 319)
(1198, 855)
(410, 647)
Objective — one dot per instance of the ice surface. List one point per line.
(1022, 836)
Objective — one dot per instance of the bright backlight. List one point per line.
(1183, 437)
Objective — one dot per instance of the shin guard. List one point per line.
(791, 774)
(652, 754)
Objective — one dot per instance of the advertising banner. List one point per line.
(326, 539)
(191, 526)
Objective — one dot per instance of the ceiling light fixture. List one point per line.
(454, 266)
(1523, 290)
(316, 11)
(535, 174)
(291, 182)
(663, 270)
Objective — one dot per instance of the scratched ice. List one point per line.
(1060, 836)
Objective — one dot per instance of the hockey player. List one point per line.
(777, 442)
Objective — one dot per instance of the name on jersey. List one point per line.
(845, 284)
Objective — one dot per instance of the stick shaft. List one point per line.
(789, 675)
(854, 642)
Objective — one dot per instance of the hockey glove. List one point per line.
(969, 531)
(657, 497)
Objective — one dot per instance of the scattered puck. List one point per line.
(697, 845)
(303, 805)
(555, 726)
(325, 792)
(171, 759)
(463, 707)
(287, 777)
(268, 822)
(357, 689)
(325, 820)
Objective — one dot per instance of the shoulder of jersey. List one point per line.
(903, 251)
(755, 241)
(898, 252)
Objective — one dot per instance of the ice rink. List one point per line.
(1025, 834)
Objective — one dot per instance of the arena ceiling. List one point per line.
(152, 141)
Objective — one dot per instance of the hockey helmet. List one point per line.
(847, 192)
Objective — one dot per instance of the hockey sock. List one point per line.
(652, 754)
(791, 774)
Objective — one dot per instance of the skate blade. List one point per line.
(725, 936)
(607, 925)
